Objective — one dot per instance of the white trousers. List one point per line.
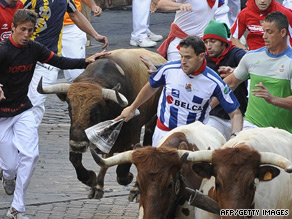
(234, 9)
(140, 18)
(157, 135)
(50, 76)
(172, 51)
(19, 152)
(73, 46)
(221, 14)
(222, 125)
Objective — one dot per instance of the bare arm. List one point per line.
(237, 43)
(97, 11)
(146, 92)
(263, 92)
(80, 20)
(97, 55)
(170, 5)
(236, 120)
(2, 97)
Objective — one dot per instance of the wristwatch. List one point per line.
(234, 134)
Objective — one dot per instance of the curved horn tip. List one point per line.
(288, 169)
(40, 86)
(124, 103)
(96, 157)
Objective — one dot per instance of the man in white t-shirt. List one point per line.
(188, 86)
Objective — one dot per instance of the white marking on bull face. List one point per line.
(141, 212)
(120, 69)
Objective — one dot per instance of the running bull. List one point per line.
(99, 94)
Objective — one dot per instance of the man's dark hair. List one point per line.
(195, 42)
(24, 15)
(279, 19)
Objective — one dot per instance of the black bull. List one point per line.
(91, 99)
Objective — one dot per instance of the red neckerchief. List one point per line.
(223, 55)
(14, 43)
(201, 69)
(211, 3)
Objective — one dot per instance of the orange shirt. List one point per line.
(67, 19)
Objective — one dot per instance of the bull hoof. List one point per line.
(124, 181)
(134, 194)
(95, 193)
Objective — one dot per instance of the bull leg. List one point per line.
(88, 177)
(124, 176)
(97, 191)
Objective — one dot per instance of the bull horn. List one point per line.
(277, 160)
(52, 89)
(115, 96)
(124, 157)
(200, 156)
(182, 152)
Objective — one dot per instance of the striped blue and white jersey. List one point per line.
(186, 98)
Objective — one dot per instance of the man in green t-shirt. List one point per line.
(270, 71)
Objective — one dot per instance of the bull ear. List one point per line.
(267, 173)
(183, 146)
(203, 169)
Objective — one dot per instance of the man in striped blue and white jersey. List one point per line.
(188, 86)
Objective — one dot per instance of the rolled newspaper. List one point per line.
(104, 134)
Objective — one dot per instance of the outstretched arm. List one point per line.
(146, 92)
(170, 5)
(81, 21)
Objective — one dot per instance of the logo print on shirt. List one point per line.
(282, 68)
(175, 93)
(169, 99)
(4, 27)
(226, 89)
(188, 87)
(194, 106)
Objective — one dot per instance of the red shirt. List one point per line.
(251, 18)
(6, 18)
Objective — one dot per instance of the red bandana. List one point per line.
(223, 55)
(211, 3)
(201, 69)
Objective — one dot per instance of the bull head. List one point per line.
(197, 199)
(62, 88)
(235, 170)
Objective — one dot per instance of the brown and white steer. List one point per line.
(163, 174)
(91, 99)
(246, 176)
